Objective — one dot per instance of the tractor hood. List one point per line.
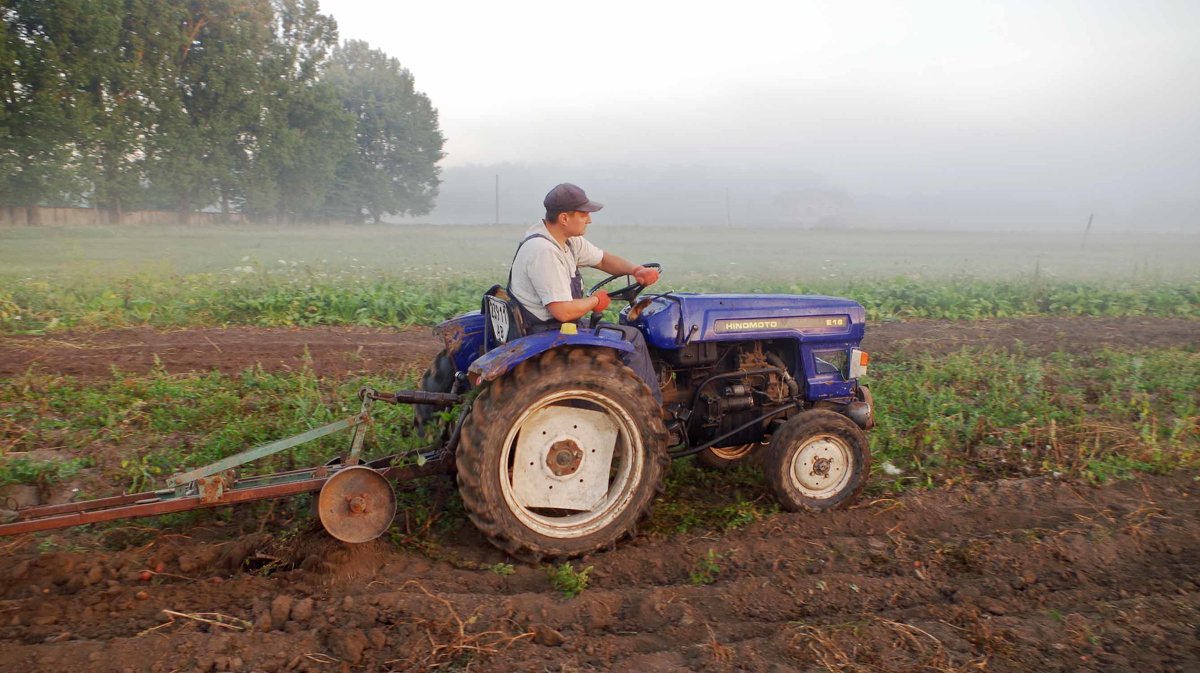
(675, 319)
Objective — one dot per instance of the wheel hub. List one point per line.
(564, 457)
(821, 467)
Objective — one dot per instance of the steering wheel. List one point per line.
(629, 292)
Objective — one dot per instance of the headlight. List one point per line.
(858, 363)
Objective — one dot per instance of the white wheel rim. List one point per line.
(625, 470)
(821, 468)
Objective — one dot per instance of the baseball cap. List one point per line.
(567, 197)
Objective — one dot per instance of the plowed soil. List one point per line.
(348, 351)
(1006, 576)
(1019, 575)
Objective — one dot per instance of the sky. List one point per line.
(935, 112)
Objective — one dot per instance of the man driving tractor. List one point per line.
(546, 282)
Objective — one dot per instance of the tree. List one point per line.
(302, 132)
(181, 104)
(209, 103)
(393, 168)
(39, 164)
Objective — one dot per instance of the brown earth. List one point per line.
(348, 351)
(1016, 575)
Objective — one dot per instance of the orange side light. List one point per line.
(864, 359)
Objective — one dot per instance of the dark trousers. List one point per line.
(639, 359)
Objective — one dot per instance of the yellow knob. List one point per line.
(569, 328)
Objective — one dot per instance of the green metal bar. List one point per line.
(360, 432)
(257, 452)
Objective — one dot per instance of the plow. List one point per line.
(559, 447)
(355, 499)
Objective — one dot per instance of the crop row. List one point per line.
(299, 299)
(974, 414)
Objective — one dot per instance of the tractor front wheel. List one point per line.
(563, 455)
(817, 461)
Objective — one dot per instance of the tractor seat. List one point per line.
(502, 318)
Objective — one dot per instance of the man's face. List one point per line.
(575, 223)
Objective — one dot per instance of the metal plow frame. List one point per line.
(218, 485)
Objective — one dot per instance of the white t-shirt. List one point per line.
(543, 269)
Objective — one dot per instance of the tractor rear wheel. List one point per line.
(563, 455)
(817, 461)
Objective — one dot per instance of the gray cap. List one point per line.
(567, 197)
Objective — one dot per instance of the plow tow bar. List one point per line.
(218, 484)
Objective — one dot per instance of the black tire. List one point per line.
(439, 378)
(561, 383)
(726, 457)
(817, 461)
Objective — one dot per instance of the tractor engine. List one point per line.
(716, 387)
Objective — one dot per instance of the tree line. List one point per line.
(251, 106)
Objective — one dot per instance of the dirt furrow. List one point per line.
(355, 351)
(1075, 578)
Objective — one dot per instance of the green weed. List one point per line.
(42, 474)
(502, 569)
(706, 568)
(568, 581)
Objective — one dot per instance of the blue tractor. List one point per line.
(562, 448)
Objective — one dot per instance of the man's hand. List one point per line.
(646, 275)
(602, 301)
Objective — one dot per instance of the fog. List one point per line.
(1024, 115)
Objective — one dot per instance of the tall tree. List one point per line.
(302, 132)
(213, 100)
(181, 104)
(39, 122)
(393, 168)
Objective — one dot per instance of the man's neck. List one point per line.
(557, 232)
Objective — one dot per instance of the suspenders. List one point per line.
(534, 323)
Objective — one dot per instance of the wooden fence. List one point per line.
(20, 216)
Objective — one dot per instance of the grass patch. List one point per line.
(137, 430)
(40, 473)
(991, 414)
(696, 498)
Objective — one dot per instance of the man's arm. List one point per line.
(614, 265)
(570, 311)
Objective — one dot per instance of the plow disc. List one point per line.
(356, 504)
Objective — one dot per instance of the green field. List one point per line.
(721, 257)
(975, 414)
(396, 275)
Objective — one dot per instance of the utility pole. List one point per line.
(497, 198)
(1087, 231)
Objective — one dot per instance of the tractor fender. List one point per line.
(498, 361)
(463, 336)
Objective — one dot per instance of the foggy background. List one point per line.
(1025, 115)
